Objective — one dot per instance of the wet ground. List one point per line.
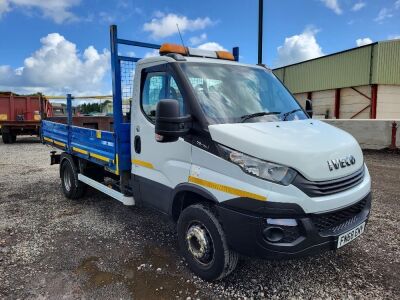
(96, 248)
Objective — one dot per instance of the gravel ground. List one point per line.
(96, 248)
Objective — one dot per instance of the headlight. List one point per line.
(259, 168)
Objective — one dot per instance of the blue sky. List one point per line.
(62, 45)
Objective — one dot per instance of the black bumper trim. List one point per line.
(244, 234)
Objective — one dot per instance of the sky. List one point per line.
(62, 46)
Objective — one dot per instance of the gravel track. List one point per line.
(96, 248)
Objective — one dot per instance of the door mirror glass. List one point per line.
(169, 124)
(309, 108)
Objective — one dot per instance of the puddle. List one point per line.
(153, 275)
(96, 277)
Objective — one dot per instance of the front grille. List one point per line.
(329, 187)
(337, 221)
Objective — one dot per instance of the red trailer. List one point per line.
(21, 114)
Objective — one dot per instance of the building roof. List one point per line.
(377, 63)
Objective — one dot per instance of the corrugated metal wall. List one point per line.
(377, 63)
(280, 73)
(387, 66)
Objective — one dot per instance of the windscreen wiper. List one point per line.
(259, 114)
(285, 115)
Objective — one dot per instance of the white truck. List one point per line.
(226, 151)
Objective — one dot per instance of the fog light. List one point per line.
(273, 234)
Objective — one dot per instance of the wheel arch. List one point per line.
(186, 194)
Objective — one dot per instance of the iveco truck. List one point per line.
(227, 152)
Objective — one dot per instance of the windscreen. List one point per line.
(233, 94)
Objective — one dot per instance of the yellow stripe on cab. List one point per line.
(142, 163)
(226, 189)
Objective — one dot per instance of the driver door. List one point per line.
(158, 167)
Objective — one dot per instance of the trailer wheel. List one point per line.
(203, 243)
(7, 138)
(71, 186)
(13, 138)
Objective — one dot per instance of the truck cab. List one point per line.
(228, 153)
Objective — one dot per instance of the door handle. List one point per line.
(137, 144)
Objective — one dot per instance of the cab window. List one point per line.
(158, 86)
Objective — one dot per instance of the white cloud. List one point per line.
(107, 17)
(394, 37)
(333, 5)
(299, 48)
(195, 40)
(57, 10)
(212, 46)
(4, 7)
(363, 41)
(358, 6)
(384, 14)
(165, 25)
(397, 4)
(152, 53)
(57, 68)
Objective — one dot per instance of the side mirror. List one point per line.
(309, 109)
(169, 124)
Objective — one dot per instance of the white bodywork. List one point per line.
(170, 161)
(305, 146)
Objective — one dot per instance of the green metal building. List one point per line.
(360, 83)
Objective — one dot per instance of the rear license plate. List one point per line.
(347, 237)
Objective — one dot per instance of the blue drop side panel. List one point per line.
(86, 139)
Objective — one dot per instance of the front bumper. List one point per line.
(313, 234)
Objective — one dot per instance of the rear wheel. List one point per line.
(203, 243)
(7, 138)
(71, 186)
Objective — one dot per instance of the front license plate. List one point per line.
(347, 237)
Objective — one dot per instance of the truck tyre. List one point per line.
(203, 243)
(71, 186)
(13, 138)
(6, 137)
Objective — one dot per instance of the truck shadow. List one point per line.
(25, 139)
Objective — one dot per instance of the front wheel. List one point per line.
(71, 186)
(203, 243)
